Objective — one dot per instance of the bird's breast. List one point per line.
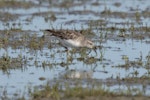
(72, 43)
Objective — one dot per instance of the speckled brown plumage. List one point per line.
(70, 38)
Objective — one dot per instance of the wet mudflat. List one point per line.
(34, 66)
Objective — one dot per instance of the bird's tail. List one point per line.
(49, 31)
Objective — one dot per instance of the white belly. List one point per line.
(70, 43)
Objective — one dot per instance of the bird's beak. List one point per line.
(94, 48)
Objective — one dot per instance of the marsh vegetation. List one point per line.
(34, 66)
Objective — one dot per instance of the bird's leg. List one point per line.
(94, 51)
(67, 50)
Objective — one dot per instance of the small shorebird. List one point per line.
(69, 38)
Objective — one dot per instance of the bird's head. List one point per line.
(89, 44)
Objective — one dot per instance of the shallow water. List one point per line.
(114, 52)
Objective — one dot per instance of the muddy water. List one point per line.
(119, 29)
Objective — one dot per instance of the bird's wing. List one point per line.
(65, 34)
